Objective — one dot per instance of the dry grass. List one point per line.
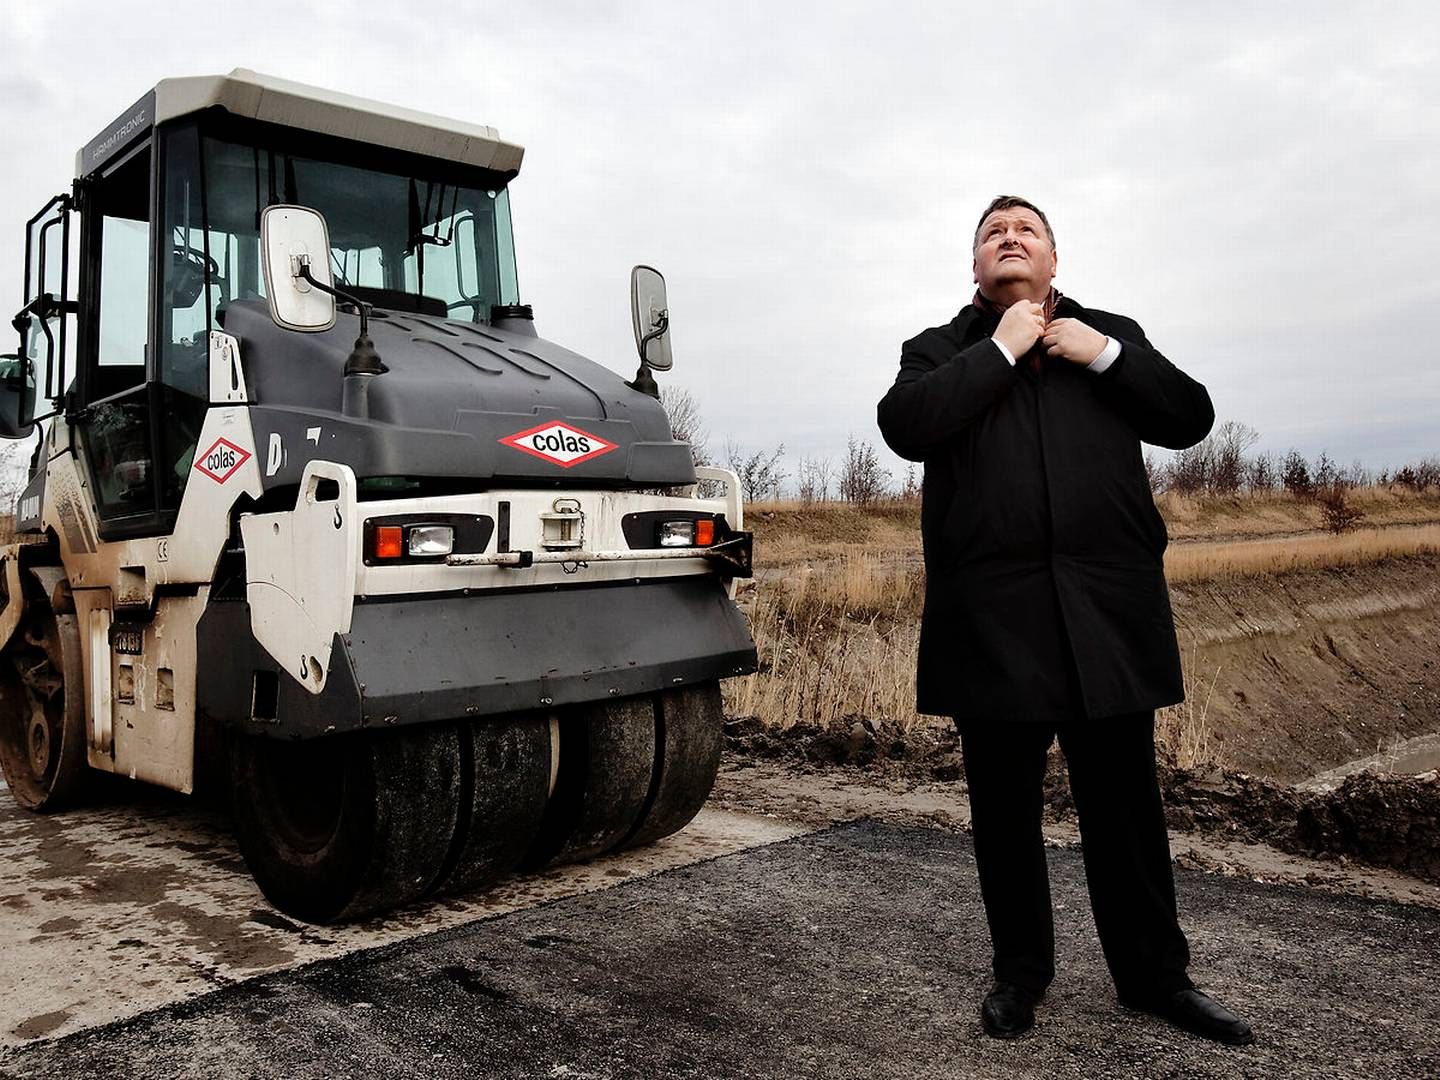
(1211, 517)
(1184, 729)
(1250, 558)
(791, 533)
(787, 534)
(835, 611)
(835, 643)
(838, 647)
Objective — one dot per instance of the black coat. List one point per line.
(1045, 595)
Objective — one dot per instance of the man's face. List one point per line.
(1014, 250)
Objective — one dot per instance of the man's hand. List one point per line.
(1021, 326)
(1071, 339)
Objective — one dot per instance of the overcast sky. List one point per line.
(1256, 184)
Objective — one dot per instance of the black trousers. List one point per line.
(1122, 832)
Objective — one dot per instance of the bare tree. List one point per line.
(1229, 443)
(1357, 475)
(862, 479)
(1154, 472)
(910, 486)
(1421, 476)
(824, 474)
(686, 424)
(760, 473)
(1262, 473)
(1190, 469)
(813, 479)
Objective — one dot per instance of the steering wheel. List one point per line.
(189, 268)
(196, 258)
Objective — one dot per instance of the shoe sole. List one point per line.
(1006, 1035)
(1245, 1040)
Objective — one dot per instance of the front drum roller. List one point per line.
(689, 733)
(338, 828)
(631, 772)
(42, 710)
(506, 785)
(602, 785)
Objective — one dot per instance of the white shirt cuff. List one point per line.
(1006, 352)
(1107, 356)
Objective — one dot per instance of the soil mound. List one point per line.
(1377, 818)
(931, 752)
(1381, 819)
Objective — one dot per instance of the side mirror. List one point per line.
(294, 239)
(17, 397)
(651, 314)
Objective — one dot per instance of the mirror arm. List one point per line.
(660, 328)
(363, 359)
(644, 381)
(361, 305)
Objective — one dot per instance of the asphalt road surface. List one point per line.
(857, 950)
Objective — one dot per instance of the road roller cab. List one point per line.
(315, 506)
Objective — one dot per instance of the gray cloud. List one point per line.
(1253, 185)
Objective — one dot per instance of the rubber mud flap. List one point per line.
(689, 734)
(508, 762)
(340, 828)
(607, 756)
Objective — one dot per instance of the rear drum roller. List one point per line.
(607, 758)
(337, 828)
(689, 732)
(506, 784)
(42, 710)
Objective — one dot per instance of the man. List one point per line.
(1046, 609)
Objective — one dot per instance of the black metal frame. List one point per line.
(45, 305)
(154, 520)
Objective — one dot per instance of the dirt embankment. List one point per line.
(1288, 675)
(1294, 674)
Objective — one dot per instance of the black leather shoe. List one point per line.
(1198, 1014)
(1008, 1011)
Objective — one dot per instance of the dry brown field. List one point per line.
(1263, 600)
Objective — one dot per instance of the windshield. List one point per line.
(425, 238)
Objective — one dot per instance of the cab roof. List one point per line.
(307, 108)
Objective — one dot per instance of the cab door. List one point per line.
(111, 409)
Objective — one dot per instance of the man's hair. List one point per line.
(1010, 202)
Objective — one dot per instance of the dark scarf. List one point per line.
(1037, 351)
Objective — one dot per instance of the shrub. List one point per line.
(1336, 512)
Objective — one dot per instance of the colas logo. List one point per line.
(221, 460)
(559, 443)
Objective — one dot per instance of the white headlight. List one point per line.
(431, 539)
(677, 534)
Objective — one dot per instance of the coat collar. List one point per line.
(1067, 308)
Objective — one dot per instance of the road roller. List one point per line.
(316, 516)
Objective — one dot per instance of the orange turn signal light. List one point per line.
(704, 532)
(389, 541)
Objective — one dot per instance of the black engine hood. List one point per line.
(452, 404)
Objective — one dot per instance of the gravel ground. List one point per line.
(856, 951)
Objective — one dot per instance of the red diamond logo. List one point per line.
(559, 443)
(221, 460)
